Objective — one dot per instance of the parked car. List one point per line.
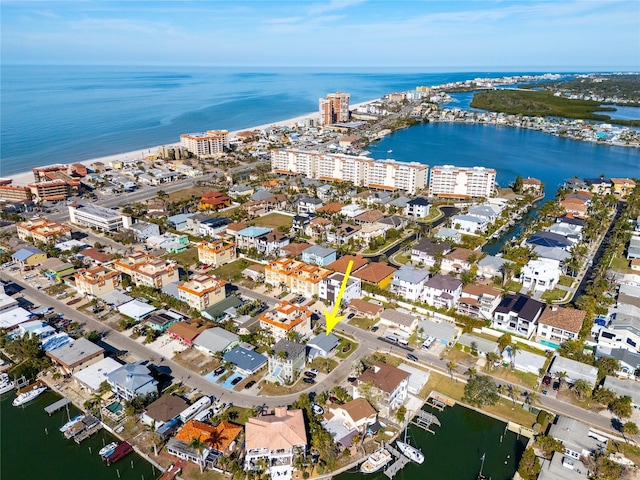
(374, 328)
(309, 375)
(250, 384)
(308, 380)
(412, 357)
(218, 371)
(314, 371)
(236, 380)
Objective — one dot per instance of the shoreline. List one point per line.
(22, 179)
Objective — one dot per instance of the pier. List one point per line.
(87, 432)
(54, 407)
(424, 420)
(439, 401)
(398, 465)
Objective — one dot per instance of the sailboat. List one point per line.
(481, 475)
(412, 453)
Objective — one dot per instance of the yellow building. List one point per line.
(298, 277)
(216, 252)
(147, 270)
(42, 230)
(202, 292)
(623, 186)
(97, 281)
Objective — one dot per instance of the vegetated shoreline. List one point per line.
(543, 104)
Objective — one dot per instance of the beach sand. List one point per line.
(24, 178)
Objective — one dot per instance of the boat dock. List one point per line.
(54, 407)
(87, 432)
(33, 386)
(439, 401)
(424, 420)
(398, 465)
(173, 470)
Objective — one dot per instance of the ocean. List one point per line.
(62, 114)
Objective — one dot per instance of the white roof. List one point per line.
(15, 316)
(95, 374)
(136, 309)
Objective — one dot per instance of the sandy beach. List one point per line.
(24, 178)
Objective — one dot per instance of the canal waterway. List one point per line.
(27, 452)
(455, 451)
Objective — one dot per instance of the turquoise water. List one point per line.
(28, 452)
(456, 449)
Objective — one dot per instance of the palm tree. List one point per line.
(471, 371)
(561, 376)
(582, 388)
(514, 349)
(451, 366)
(492, 358)
(514, 390)
(199, 446)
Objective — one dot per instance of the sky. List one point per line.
(562, 34)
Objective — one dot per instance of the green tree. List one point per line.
(492, 358)
(481, 390)
(621, 407)
(451, 366)
(401, 414)
(582, 389)
(529, 466)
(630, 428)
(604, 396)
(517, 184)
(504, 341)
(199, 446)
(548, 445)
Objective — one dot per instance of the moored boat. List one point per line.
(108, 449)
(27, 396)
(122, 450)
(376, 461)
(412, 453)
(71, 423)
(6, 384)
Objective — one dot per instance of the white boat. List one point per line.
(27, 396)
(71, 423)
(412, 453)
(376, 461)
(389, 151)
(6, 384)
(107, 449)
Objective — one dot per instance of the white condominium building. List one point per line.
(461, 182)
(362, 171)
(211, 142)
(98, 217)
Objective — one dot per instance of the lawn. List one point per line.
(513, 286)
(554, 295)
(363, 323)
(273, 220)
(345, 342)
(621, 265)
(434, 214)
(232, 271)
(187, 258)
(566, 281)
(325, 365)
(55, 289)
(187, 193)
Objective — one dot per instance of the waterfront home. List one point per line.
(365, 309)
(246, 362)
(573, 370)
(457, 260)
(92, 377)
(478, 301)
(331, 285)
(216, 339)
(219, 440)
(132, 380)
(622, 186)
(286, 361)
(541, 275)
(548, 239)
(562, 467)
(559, 324)
(76, 355)
(418, 208)
(599, 186)
(578, 439)
(29, 256)
(575, 206)
(386, 385)
(517, 314)
(409, 282)
(531, 185)
(469, 224)
(319, 255)
(321, 346)
(379, 274)
(163, 410)
(442, 291)
(346, 421)
(276, 438)
(428, 253)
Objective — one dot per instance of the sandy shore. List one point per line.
(24, 178)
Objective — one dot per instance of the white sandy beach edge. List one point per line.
(24, 178)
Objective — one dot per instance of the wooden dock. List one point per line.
(399, 464)
(424, 420)
(54, 407)
(87, 432)
(439, 401)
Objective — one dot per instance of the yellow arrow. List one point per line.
(332, 318)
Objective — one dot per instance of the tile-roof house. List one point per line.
(342, 263)
(479, 301)
(369, 217)
(275, 438)
(185, 332)
(427, 252)
(164, 409)
(408, 282)
(365, 309)
(383, 385)
(442, 291)
(286, 361)
(457, 260)
(559, 324)
(517, 314)
(377, 273)
(219, 439)
(132, 380)
(346, 421)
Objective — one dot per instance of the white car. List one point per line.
(314, 371)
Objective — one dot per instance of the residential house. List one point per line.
(330, 209)
(342, 263)
(458, 260)
(622, 186)
(560, 324)
(214, 201)
(445, 234)
(273, 202)
(532, 186)
(444, 333)
(469, 223)
(163, 410)
(379, 274)
(286, 361)
(321, 346)
(548, 239)
(296, 276)
(240, 190)
(219, 440)
(346, 421)
(342, 233)
(161, 320)
(306, 205)
(319, 255)
(598, 186)
(480, 345)
(491, 266)
(179, 222)
(91, 377)
(93, 256)
(147, 270)
(400, 320)
(428, 253)
(301, 224)
(318, 228)
(517, 314)
(393, 221)
(202, 291)
(365, 309)
(186, 332)
(371, 231)
(132, 380)
(418, 208)
(578, 439)
(442, 291)
(223, 310)
(330, 286)
(212, 227)
(170, 242)
(247, 362)
(383, 385)
(573, 370)
(624, 388)
(248, 237)
(369, 217)
(623, 328)
(77, 355)
(629, 361)
(276, 438)
(562, 467)
(135, 309)
(409, 282)
(42, 230)
(478, 301)
(286, 317)
(541, 275)
(29, 256)
(575, 206)
(97, 281)
(272, 243)
(216, 252)
(216, 339)
(143, 230)
(294, 249)
(552, 253)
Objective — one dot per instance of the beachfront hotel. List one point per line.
(461, 182)
(334, 108)
(212, 142)
(388, 175)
